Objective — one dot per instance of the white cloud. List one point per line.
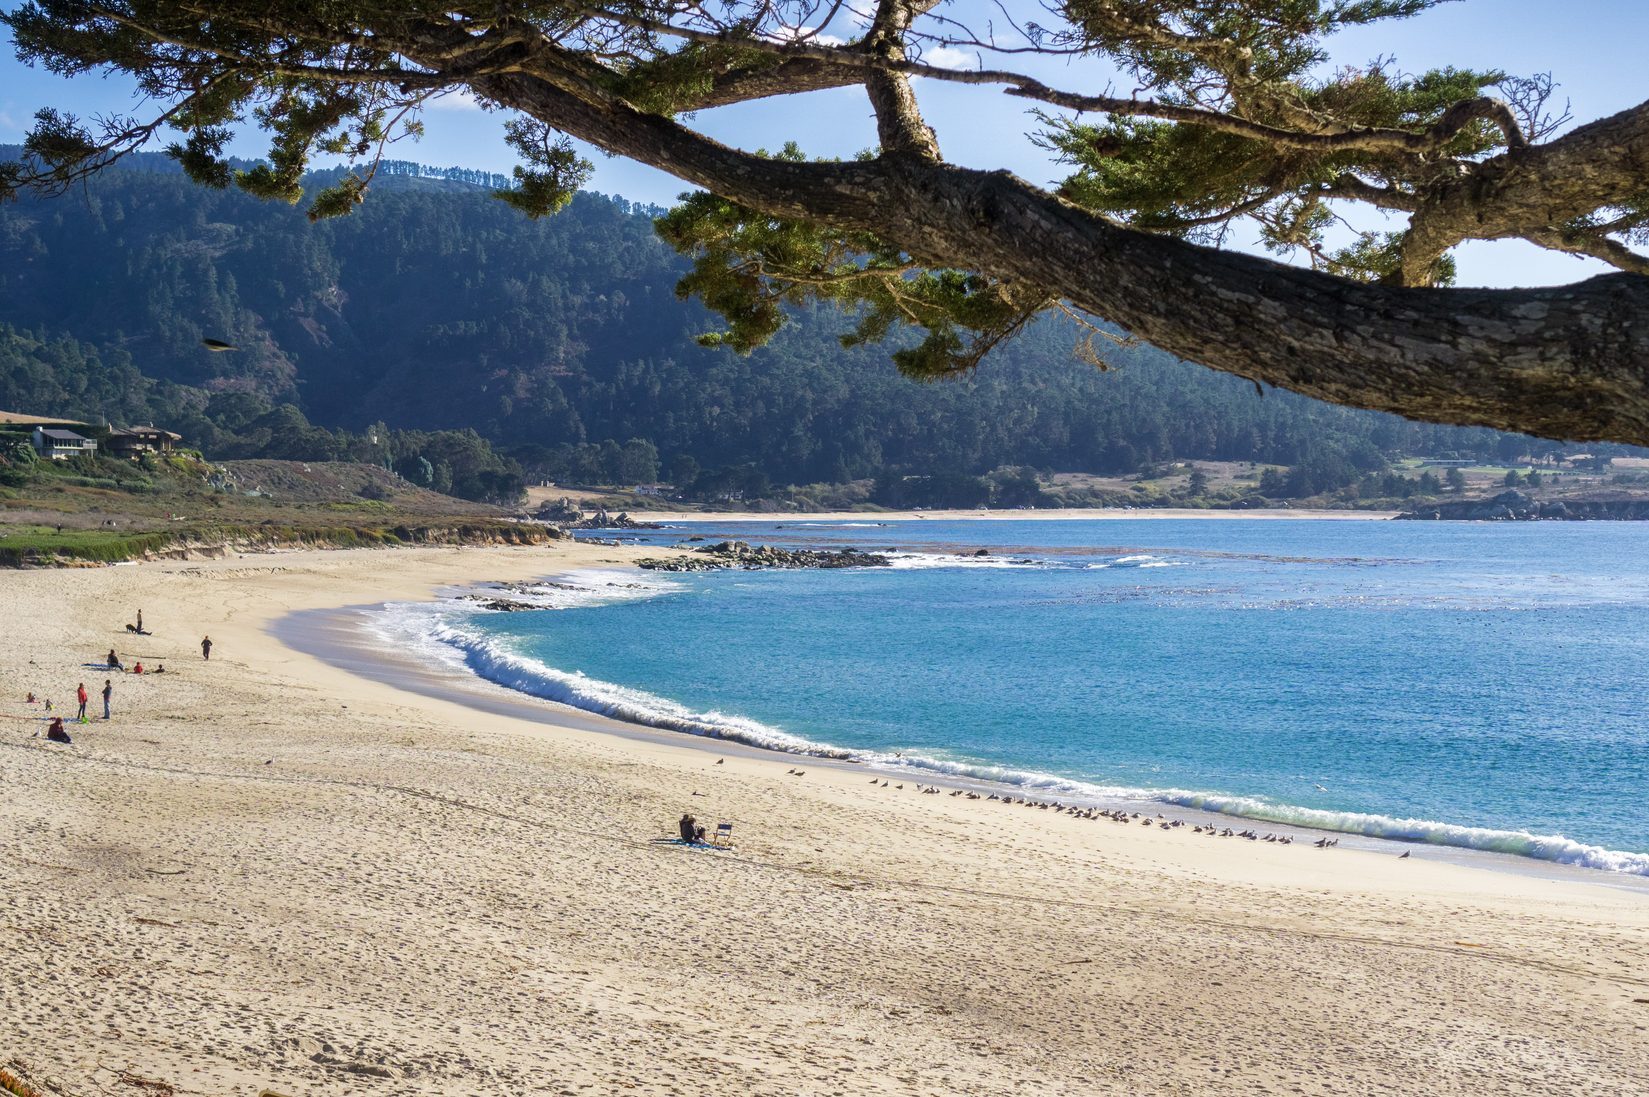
(808, 35)
(948, 57)
(455, 100)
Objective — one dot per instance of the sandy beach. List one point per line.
(1070, 514)
(267, 872)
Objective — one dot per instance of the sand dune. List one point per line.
(266, 872)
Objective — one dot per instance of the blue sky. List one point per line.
(1593, 48)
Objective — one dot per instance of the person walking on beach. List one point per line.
(108, 692)
(80, 695)
(206, 647)
(140, 622)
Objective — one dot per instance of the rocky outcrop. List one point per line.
(1516, 506)
(601, 520)
(561, 512)
(739, 554)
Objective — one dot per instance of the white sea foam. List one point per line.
(1542, 847)
(447, 632)
(913, 561)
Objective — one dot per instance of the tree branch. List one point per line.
(1568, 362)
(899, 124)
(1590, 244)
(1373, 139)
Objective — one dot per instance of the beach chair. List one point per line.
(723, 835)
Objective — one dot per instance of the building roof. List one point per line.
(20, 419)
(143, 433)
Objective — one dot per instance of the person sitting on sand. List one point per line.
(55, 731)
(160, 668)
(114, 661)
(690, 830)
(138, 669)
(30, 698)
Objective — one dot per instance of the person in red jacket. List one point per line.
(80, 695)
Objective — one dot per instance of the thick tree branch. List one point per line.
(899, 124)
(1360, 190)
(1569, 362)
(1595, 246)
(791, 76)
(1529, 192)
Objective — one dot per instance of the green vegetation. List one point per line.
(102, 509)
(504, 351)
(1264, 116)
(25, 544)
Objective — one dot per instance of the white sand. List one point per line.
(1067, 514)
(266, 872)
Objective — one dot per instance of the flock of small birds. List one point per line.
(1114, 815)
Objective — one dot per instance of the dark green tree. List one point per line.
(683, 469)
(1229, 120)
(638, 462)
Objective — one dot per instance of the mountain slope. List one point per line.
(436, 306)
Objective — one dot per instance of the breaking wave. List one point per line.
(448, 632)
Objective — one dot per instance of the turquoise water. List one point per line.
(1466, 684)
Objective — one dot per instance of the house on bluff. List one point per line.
(134, 442)
(58, 439)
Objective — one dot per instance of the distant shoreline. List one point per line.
(1068, 514)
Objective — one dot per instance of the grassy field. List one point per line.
(103, 510)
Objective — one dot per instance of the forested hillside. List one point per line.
(436, 308)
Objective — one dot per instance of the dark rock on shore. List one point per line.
(739, 554)
(1516, 506)
(503, 605)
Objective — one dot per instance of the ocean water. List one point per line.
(1477, 685)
